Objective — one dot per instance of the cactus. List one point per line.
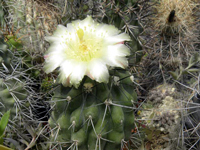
(101, 115)
(191, 121)
(94, 116)
(91, 114)
(12, 86)
(13, 94)
(172, 57)
(32, 19)
(169, 42)
(17, 90)
(18, 94)
(161, 117)
(12, 76)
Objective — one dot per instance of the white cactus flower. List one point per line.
(85, 47)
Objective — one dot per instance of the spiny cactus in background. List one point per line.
(161, 116)
(13, 94)
(191, 117)
(170, 38)
(175, 17)
(12, 88)
(33, 19)
(6, 56)
(162, 98)
(17, 94)
(17, 91)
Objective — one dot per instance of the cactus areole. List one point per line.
(85, 47)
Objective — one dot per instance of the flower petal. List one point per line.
(116, 55)
(62, 34)
(117, 50)
(66, 69)
(62, 79)
(117, 61)
(118, 38)
(54, 57)
(109, 30)
(52, 62)
(98, 71)
(78, 72)
(58, 33)
(88, 21)
(55, 48)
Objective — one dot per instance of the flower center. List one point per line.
(88, 47)
(83, 48)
